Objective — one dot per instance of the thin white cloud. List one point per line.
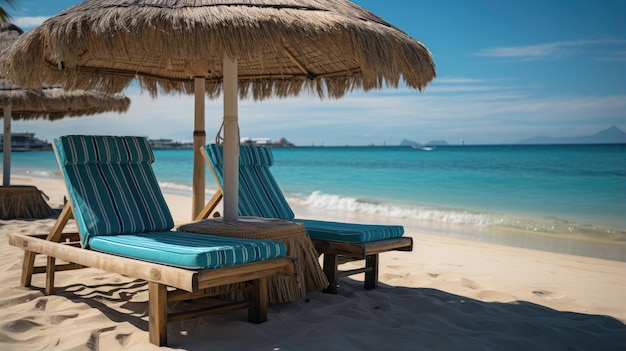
(614, 56)
(29, 21)
(548, 50)
(504, 116)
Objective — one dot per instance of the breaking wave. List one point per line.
(454, 216)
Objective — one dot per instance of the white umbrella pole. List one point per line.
(6, 148)
(199, 140)
(231, 140)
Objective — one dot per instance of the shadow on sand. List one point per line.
(387, 318)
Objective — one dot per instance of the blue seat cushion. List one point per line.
(350, 232)
(188, 250)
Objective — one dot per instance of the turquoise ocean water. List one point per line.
(562, 190)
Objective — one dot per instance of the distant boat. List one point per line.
(26, 142)
(425, 147)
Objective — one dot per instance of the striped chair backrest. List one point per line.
(259, 194)
(111, 185)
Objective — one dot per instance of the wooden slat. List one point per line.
(361, 250)
(170, 276)
(245, 272)
(181, 295)
(188, 280)
(199, 312)
(59, 267)
(396, 244)
(350, 272)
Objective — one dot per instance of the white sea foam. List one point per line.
(182, 189)
(38, 173)
(452, 216)
(335, 202)
(175, 188)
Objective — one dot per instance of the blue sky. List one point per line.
(506, 70)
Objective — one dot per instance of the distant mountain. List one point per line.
(611, 135)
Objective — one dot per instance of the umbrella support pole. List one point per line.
(199, 140)
(231, 141)
(6, 148)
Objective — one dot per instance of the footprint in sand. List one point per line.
(59, 319)
(550, 295)
(122, 339)
(94, 339)
(495, 296)
(470, 284)
(41, 304)
(389, 276)
(20, 325)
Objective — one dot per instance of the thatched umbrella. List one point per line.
(256, 48)
(47, 102)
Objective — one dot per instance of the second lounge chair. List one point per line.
(339, 242)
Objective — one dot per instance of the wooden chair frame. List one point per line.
(335, 253)
(188, 284)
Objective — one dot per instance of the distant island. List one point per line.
(612, 135)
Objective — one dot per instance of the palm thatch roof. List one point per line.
(54, 103)
(282, 47)
(50, 102)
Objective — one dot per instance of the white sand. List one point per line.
(447, 294)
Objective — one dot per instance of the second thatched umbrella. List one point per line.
(49, 103)
(256, 48)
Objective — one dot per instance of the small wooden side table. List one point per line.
(280, 289)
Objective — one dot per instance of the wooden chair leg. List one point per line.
(371, 274)
(157, 313)
(28, 267)
(50, 268)
(29, 257)
(330, 269)
(258, 313)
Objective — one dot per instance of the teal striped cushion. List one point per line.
(259, 195)
(112, 185)
(188, 250)
(350, 232)
(104, 149)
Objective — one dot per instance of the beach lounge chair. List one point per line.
(259, 195)
(125, 227)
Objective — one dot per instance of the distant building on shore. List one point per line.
(160, 144)
(256, 141)
(283, 142)
(25, 141)
(165, 144)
